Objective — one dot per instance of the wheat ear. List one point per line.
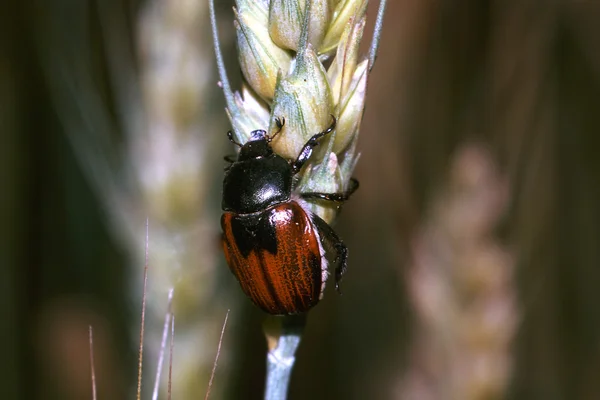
(301, 63)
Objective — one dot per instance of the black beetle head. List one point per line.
(258, 146)
(258, 179)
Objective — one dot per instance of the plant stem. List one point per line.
(283, 338)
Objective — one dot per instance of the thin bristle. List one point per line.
(171, 345)
(376, 34)
(214, 369)
(229, 97)
(92, 368)
(141, 348)
(163, 344)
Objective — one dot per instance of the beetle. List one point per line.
(274, 245)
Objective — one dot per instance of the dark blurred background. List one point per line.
(515, 82)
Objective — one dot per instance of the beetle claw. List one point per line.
(337, 288)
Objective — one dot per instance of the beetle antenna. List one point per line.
(280, 123)
(332, 126)
(232, 140)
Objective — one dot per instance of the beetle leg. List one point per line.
(333, 241)
(230, 158)
(335, 197)
(308, 147)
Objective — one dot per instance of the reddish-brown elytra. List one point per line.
(273, 244)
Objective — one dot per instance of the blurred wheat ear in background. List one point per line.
(461, 285)
(110, 114)
(139, 128)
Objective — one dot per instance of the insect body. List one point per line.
(273, 244)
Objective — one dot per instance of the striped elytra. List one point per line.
(276, 257)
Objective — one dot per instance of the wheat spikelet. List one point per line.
(300, 62)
